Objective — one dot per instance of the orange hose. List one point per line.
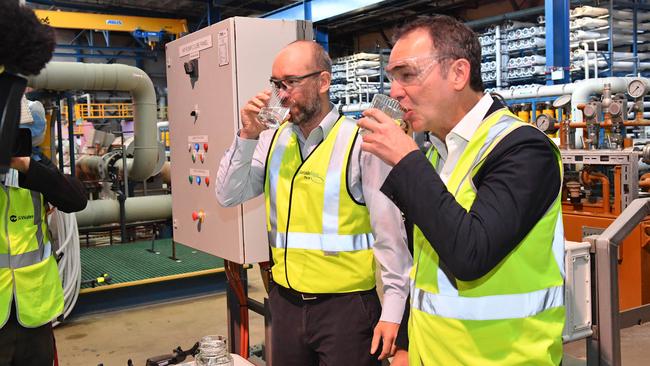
(232, 273)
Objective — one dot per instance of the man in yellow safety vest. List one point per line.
(487, 277)
(327, 222)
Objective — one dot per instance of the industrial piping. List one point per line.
(100, 212)
(80, 76)
(580, 91)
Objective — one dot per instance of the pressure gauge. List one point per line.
(636, 88)
(590, 110)
(615, 108)
(545, 123)
(562, 101)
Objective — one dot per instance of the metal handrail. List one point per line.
(604, 347)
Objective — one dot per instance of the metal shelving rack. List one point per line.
(610, 40)
(513, 54)
(356, 78)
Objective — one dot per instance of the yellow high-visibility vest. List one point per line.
(513, 315)
(27, 263)
(320, 237)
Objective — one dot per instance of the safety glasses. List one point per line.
(411, 70)
(291, 82)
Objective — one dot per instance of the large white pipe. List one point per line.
(80, 76)
(101, 212)
(537, 91)
(586, 88)
(580, 91)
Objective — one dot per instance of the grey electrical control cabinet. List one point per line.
(211, 74)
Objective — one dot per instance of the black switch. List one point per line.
(192, 68)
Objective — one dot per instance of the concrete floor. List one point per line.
(113, 338)
(137, 334)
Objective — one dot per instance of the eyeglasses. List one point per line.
(291, 82)
(411, 70)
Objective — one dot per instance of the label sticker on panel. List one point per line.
(195, 46)
(197, 138)
(222, 47)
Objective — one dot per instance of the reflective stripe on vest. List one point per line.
(320, 236)
(29, 273)
(449, 303)
(38, 255)
(274, 165)
(514, 314)
(330, 240)
(494, 307)
(324, 242)
(26, 259)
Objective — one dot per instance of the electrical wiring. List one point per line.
(232, 273)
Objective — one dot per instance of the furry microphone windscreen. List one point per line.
(26, 44)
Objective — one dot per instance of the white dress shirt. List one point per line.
(241, 177)
(458, 138)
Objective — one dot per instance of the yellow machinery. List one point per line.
(90, 111)
(110, 22)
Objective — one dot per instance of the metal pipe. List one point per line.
(499, 56)
(70, 133)
(589, 178)
(525, 13)
(80, 76)
(584, 89)
(100, 212)
(580, 91)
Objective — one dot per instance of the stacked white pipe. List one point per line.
(589, 37)
(356, 77)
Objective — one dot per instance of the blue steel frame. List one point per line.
(303, 11)
(557, 38)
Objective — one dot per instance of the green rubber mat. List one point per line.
(132, 263)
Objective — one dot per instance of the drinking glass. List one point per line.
(390, 107)
(274, 113)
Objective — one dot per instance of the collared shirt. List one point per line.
(241, 177)
(458, 138)
(516, 185)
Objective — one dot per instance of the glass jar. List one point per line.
(213, 351)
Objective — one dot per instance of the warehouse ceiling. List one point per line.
(385, 13)
(193, 10)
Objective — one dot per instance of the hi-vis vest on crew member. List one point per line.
(513, 315)
(320, 238)
(28, 270)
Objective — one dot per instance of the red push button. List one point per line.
(200, 215)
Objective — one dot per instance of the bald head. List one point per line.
(305, 71)
(303, 56)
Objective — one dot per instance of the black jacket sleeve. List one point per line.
(63, 191)
(515, 186)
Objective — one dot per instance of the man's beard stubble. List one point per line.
(305, 112)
